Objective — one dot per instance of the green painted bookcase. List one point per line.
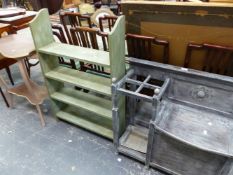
(92, 110)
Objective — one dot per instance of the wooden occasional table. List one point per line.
(18, 47)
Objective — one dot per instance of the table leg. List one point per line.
(26, 80)
(9, 97)
(40, 115)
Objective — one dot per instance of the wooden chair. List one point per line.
(59, 33)
(87, 37)
(109, 21)
(218, 59)
(74, 20)
(140, 46)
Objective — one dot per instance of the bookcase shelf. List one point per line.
(85, 101)
(81, 79)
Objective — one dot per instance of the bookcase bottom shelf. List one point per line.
(79, 118)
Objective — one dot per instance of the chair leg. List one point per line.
(4, 98)
(29, 65)
(72, 63)
(9, 75)
(26, 62)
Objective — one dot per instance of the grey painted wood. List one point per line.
(206, 130)
(193, 127)
(190, 120)
(131, 142)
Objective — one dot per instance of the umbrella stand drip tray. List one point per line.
(135, 138)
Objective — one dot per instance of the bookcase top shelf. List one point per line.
(88, 55)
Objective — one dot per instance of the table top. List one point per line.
(9, 12)
(17, 46)
(18, 17)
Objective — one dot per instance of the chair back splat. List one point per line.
(140, 46)
(217, 59)
(74, 20)
(108, 21)
(59, 33)
(87, 37)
